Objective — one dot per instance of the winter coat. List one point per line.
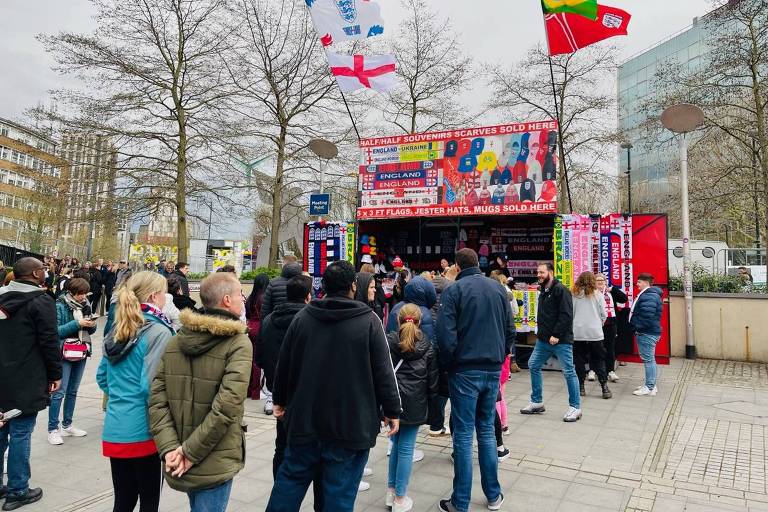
(555, 314)
(198, 396)
(95, 280)
(475, 329)
(271, 336)
(417, 378)
(276, 292)
(125, 375)
(588, 317)
(646, 312)
(335, 376)
(422, 293)
(68, 327)
(440, 283)
(183, 302)
(109, 278)
(29, 348)
(183, 282)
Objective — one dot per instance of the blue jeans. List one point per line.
(401, 458)
(564, 353)
(473, 407)
(342, 471)
(214, 499)
(16, 436)
(646, 344)
(71, 375)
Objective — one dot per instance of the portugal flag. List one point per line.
(567, 33)
(586, 8)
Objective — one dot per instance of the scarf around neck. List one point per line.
(154, 311)
(71, 303)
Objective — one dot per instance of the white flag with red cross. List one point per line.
(355, 72)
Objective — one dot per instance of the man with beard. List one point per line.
(555, 338)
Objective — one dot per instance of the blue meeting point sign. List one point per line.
(319, 204)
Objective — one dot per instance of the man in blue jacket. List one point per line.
(645, 320)
(475, 331)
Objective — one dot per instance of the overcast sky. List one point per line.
(495, 31)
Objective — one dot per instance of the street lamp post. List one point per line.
(326, 151)
(683, 119)
(628, 146)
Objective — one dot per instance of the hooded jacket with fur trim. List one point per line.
(197, 397)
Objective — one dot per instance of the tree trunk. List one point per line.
(181, 191)
(277, 201)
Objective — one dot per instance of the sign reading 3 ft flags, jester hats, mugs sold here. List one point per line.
(493, 170)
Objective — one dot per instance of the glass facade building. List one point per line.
(652, 158)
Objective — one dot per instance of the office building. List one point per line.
(33, 189)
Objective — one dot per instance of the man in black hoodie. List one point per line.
(30, 370)
(333, 376)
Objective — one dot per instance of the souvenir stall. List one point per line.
(421, 197)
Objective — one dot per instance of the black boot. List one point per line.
(606, 392)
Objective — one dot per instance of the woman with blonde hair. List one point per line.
(588, 318)
(417, 375)
(132, 351)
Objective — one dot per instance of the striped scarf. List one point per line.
(152, 310)
(610, 309)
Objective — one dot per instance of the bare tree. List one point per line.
(586, 106)
(287, 96)
(433, 71)
(730, 83)
(153, 83)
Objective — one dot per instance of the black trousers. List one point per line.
(281, 443)
(591, 352)
(134, 480)
(609, 343)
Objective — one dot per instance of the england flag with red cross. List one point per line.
(355, 72)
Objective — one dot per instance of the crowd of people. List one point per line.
(334, 370)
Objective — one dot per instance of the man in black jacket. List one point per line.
(333, 376)
(30, 370)
(475, 332)
(555, 338)
(94, 278)
(182, 269)
(276, 294)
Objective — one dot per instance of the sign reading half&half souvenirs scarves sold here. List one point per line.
(494, 170)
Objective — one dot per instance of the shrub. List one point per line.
(196, 276)
(707, 282)
(251, 274)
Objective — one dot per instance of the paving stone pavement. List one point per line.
(698, 446)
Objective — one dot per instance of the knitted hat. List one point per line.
(397, 262)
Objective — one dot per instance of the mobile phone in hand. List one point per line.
(9, 415)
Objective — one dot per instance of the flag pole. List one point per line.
(354, 125)
(560, 132)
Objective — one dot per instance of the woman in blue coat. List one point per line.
(132, 351)
(73, 314)
(645, 320)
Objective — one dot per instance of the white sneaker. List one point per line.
(591, 376)
(418, 456)
(405, 506)
(613, 377)
(54, 438)
(71, 431)
(572, 415)
(644, 391)
(364, 486)
(389, 500)
(533, 408)
(367, 472)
